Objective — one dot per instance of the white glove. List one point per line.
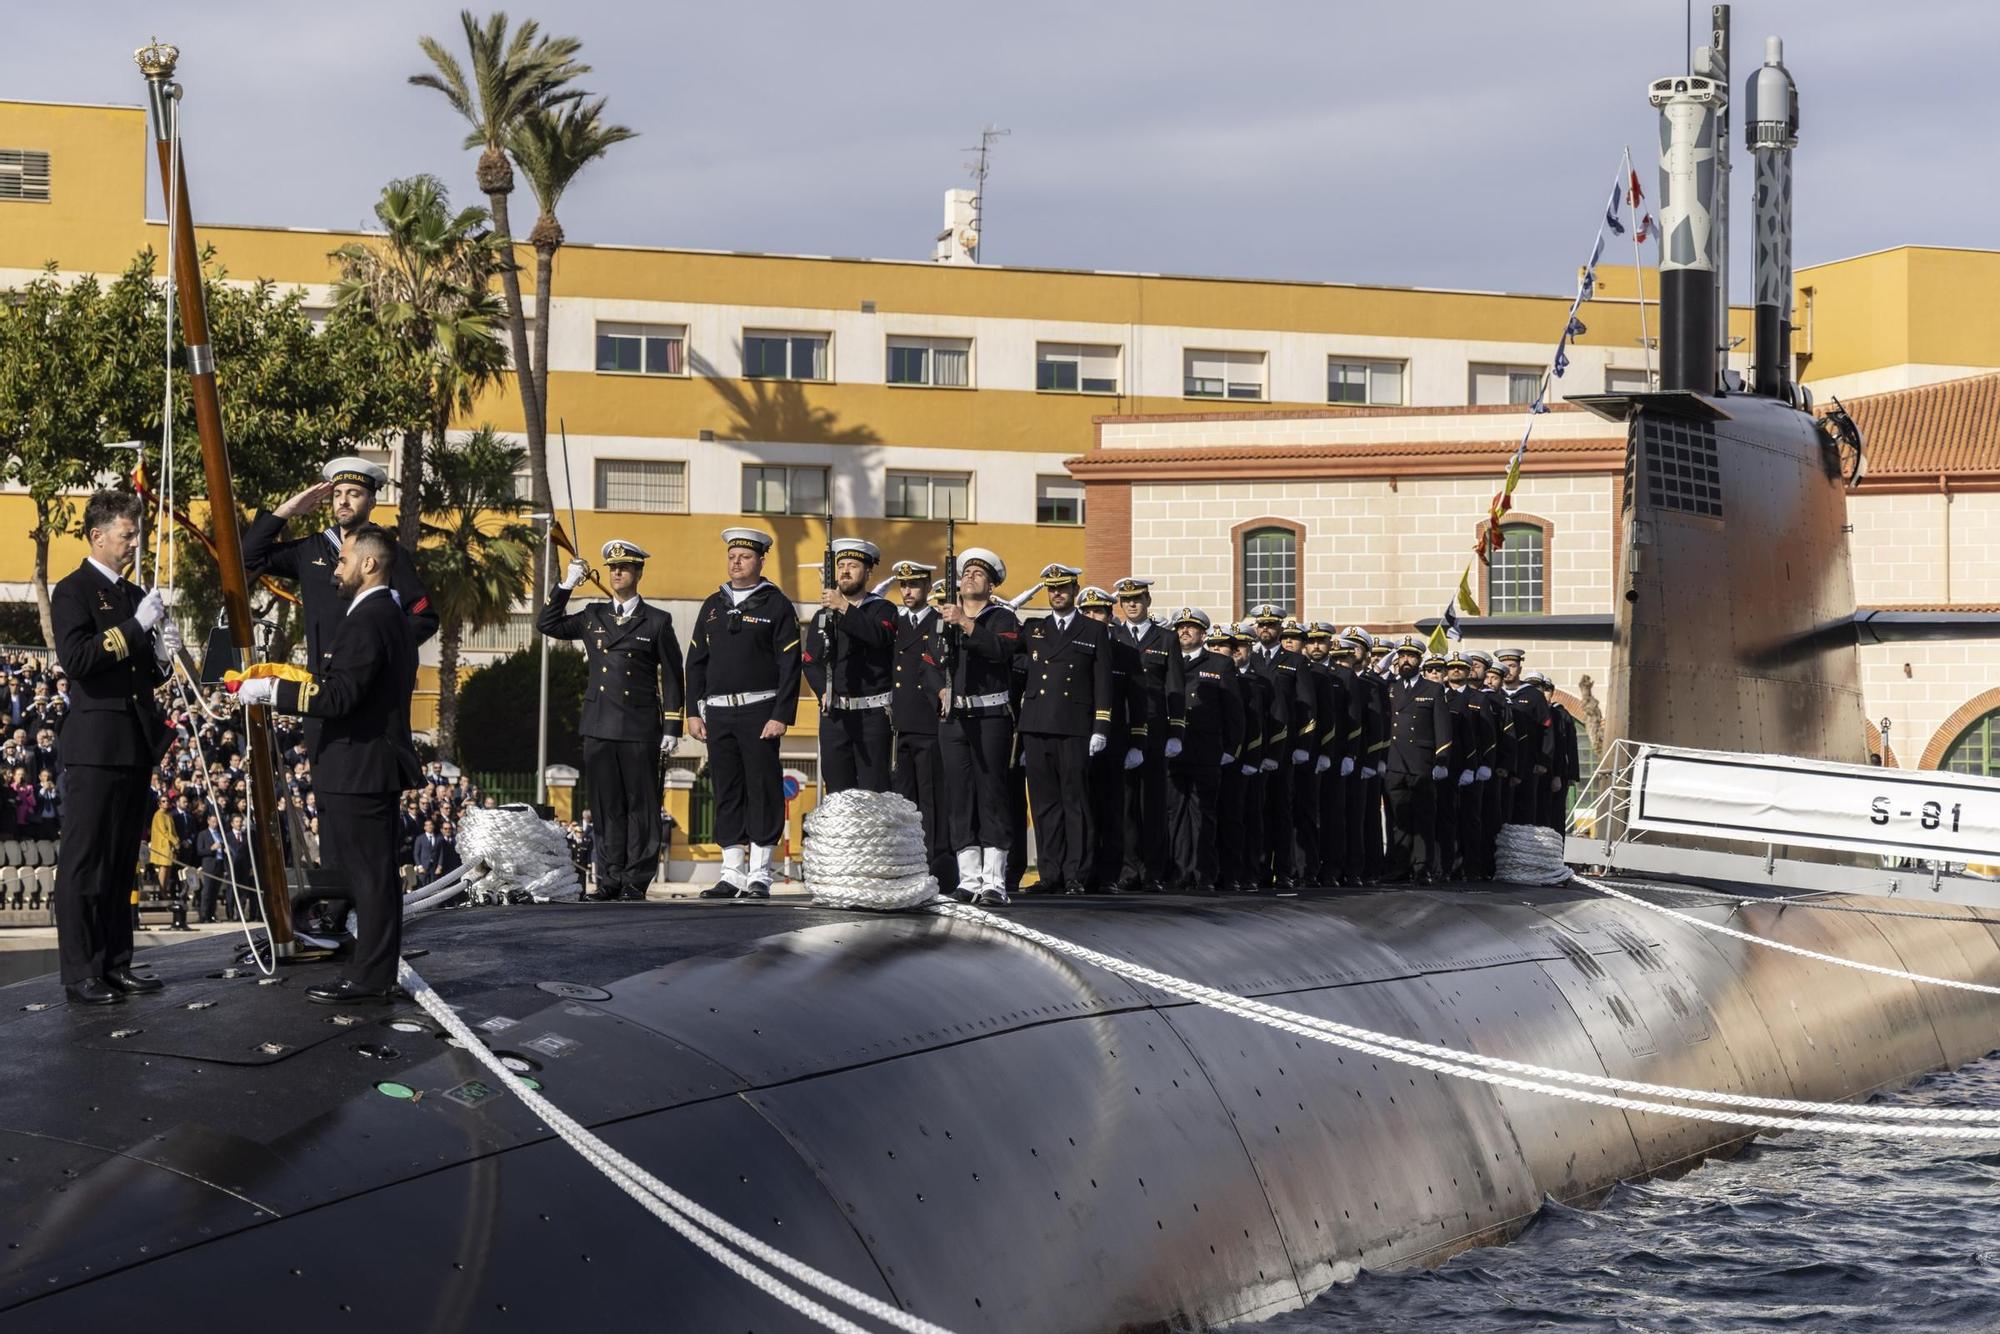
(1269, 766)
(1438, 772)
(669, 744)
(575, 573)
(1173, 747)
(1227, 759)
(1465, 778)
(152, 608)
(1249, 771)
(1322, 764)
(1484, 773)
(167, 641)
(1367, 771)
(1347, 768)
(1134, 758)
(257, 690)
(1300, 756)
(1098, 741)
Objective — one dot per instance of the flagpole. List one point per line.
(1638, 261)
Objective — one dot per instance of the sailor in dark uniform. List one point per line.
(1367, 727)
(1419, 756)
(1209, 742)
(1472, 771)
(1232, 777)
(1157, 733)
(350, 488)
(1534, 739)
(1122, 751)
(1065, 724)
(1342, 720)
(363, 758)
(632, 713)
(860, 653)
(1318, 687)
(1261, 750)
(1494, 791)
(971, 670)
(1563, 766)
(742, 695)
(116, 644)
(913, 712)
(1292, 703)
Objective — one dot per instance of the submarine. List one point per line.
(992, 1136)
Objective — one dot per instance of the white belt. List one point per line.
(997, 699)
(880, 701)
(738, 701)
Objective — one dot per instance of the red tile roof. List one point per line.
(1952, 427)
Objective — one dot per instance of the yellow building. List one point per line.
(700, 388)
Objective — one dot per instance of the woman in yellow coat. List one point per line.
(160, 848)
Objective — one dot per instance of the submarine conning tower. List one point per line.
(1734, 628)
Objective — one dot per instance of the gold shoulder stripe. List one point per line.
(789, 647)
(307, 690)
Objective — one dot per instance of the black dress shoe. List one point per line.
(721, 889)
(92, 991)
(595, 897)
(633, 896)
(129, 982)
(348, 992)
(756, 889)
(1075, 887)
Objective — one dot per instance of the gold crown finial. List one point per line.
(156, 59)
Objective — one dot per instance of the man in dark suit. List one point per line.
(115, 642)
(428, 854)
(363, 758)
(631, 712)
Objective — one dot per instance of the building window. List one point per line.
(1517, 577)
(928, 495)
(638, 349)
(509, 636)
(785, 356)
(1059, 500)
(1976, 750)
(775, 489)
(940, 363)
(1507, 385)
(1627, 380)
(1222, 374)
(1364, 381)
(1077, 368)
(657, 486)
(1269, 561)
(24, 175)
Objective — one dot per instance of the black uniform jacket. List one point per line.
(632, 669)
(1214, 711)
(1252, 691)
(1472, 730)
(112, 671)
(1160, 683)
(1345, 735)
(746, 648)
(913, 705)
(985, 660)
(1502, 716)
(1534, 730)
(1067, 688)
(1329, 712)
(1289, 722)
(1128, 700)
(1381, 714)
(863, 649)
(308, 562)
(362, 699)
(1420, 737)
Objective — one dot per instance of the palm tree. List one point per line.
(428, 286)
(552, 145)
(476, 555)
(511, 77)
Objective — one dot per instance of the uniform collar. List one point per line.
(362, 596)
(105, 570)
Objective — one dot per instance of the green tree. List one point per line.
(498, 706)
(426, 286)
(553, 145)
(476, 555)
(510, 76)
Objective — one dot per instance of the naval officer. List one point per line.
(116, 644)
(1065, 723)
(1419, 758)
(850, 663)
(1156, 730)
(970, 672)
(913, 712)
(631, 712)
(743, 693)
(1209, 743)
(363, 759)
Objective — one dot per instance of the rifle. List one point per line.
(948, 637)
(827, 582)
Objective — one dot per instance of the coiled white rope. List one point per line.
(866, 850)
(524, 855)
(1479, 1068)
(1529, 854)
(705, 1230)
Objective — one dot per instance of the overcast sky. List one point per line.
(1433, 142)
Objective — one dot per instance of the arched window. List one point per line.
(1269, 562)
(1976, 750)
(1517, 576)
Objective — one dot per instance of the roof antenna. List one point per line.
(979, 166)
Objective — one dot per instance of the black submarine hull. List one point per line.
(984, 1133)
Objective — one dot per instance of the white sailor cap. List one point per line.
(1132, 586)
(1321, 630)
(937, 591)
(1511, 654)
(981, 556)
(856, 546)
(907, 570)
(1055, 574)
(616, 552)
(352, 468)
(1093, 596)
(1480, 656)
(753, 538)
(1246, 627)
(1542, 679)
(1267, 613)
(1411, 644)
(1191, 616)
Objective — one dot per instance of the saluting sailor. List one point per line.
(1157, 732)
(1065, 723)
(631, 712)
(854, 631)
(980, 636)
(913, 711)
(743, 693)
